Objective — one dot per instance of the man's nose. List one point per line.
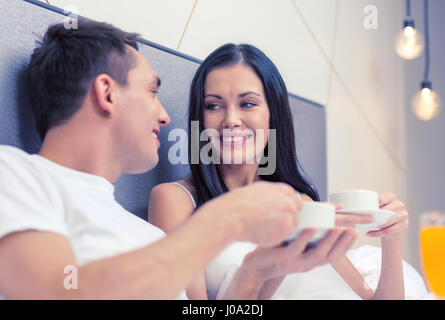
(164, 118)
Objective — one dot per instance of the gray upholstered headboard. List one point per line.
(22, 22)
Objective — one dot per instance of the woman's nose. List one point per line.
(232, 118)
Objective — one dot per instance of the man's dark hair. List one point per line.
(67, 61)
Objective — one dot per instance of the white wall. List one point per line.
(324, 54)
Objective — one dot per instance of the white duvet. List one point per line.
(323, 282)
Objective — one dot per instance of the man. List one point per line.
(94, 99)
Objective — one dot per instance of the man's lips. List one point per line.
(155, 134)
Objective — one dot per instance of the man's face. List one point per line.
(139, 117)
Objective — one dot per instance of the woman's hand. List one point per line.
(396, 226)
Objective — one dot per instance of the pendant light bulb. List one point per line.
(426, 103)
(409, 42)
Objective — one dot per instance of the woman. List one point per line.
(239, 97)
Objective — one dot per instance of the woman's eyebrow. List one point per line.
(242, 95)
(213, 95)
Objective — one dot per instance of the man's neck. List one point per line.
(79, 151)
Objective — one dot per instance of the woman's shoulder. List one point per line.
(187, 183)
(305, 197)
(170, 205)
(180, 191)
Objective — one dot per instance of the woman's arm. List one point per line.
(391, 283)
(353, 278)
(169, 207)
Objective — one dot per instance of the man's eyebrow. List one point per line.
(247, 93)
(157, 81)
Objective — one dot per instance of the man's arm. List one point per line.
(33, 265)
(35, 261)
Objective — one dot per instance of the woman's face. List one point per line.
(235, 106)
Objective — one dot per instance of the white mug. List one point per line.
(356, 199)
(314, 215)
(362, 202)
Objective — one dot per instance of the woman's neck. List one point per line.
(236, 176)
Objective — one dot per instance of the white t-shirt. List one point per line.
(38, 194)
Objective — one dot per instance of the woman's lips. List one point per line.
(235, 139)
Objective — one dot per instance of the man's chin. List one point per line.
(144, 167)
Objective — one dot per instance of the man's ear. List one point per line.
(104, 91)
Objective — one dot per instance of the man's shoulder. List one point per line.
(14, 158)
(11, 151)
(18, 163)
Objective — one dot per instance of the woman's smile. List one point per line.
(235, 138)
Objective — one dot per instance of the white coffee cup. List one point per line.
(314, 215)
(364, 202)
(356, 199)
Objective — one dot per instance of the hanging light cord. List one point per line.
(408, 8)
(427, 40)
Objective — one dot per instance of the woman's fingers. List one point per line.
(386, 198)
(390, 230)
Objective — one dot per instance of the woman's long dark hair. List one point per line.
(206, 178)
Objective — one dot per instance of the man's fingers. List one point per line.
(346, 220)
(337, 206)
(301, 242)
(319, 253)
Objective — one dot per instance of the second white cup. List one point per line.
(314, 215)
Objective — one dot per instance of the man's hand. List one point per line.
(298, 256)
(263, 212)
(264, 269)
(347, 220)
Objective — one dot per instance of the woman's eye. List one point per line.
(212, 107)
(248, 105)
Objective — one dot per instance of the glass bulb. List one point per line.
(409, 43)
(426, 104)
